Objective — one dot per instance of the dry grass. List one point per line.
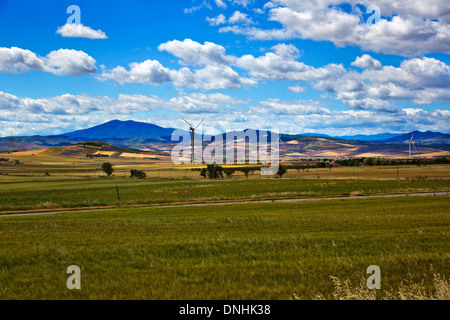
(407, 290)
(414, 291)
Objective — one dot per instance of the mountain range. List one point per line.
(134, 129)
(150, 137)
(360, 137)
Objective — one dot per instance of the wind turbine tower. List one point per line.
(192, 129)
(10, 147)
(411, 143)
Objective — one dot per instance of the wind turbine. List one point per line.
(411, 143)
(279, 136)
(192, 128)
(10, 146)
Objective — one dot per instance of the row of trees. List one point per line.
(390, 162)
(214, 171)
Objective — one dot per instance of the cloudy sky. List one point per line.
(319, 66)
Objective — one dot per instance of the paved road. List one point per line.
(240, 202)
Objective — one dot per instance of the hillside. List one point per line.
(97, 149)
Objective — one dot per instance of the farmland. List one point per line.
(44, 193)
(143, 250)
(249, 251)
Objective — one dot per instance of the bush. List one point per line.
(137, 174)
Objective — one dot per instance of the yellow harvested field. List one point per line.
(296, 154)
(435, 154)
(107, 153)
(138, 155)
(346, 145)
(368, 154)
(329, 154)
(27, 152)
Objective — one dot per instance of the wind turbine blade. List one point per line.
(279, 136)
(187, 123)
(199, 123)
(414, 146)
(412, 136)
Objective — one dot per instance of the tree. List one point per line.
(321, 164)
(246, 171)
(214, 171)
(229, 172)
(353, 162)
(369, 161)
(281, 171)
(107, 168)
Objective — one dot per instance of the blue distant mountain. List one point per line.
(317, 135)
(121, 129)
(427, 137)
(374, 137)
(360, 137)
(139, 135)
(134, 129)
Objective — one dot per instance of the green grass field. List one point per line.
(49, 193)
(237, 251)
(248, 251)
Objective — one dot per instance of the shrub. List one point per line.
(137, 174)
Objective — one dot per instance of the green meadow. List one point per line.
(53, 193)
(246, 251)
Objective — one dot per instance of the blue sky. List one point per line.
(302, 66)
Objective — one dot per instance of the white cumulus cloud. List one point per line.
(412, 28)
(59, 62)
(194, 53)
(74, 30)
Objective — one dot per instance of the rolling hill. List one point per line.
(97, 149)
